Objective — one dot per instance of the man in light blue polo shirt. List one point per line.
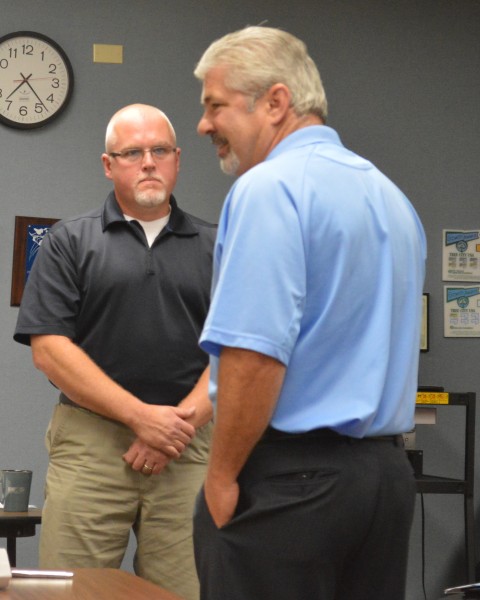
(313, 333)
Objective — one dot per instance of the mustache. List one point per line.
(218, 140)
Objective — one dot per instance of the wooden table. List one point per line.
(18, 524)
(87, 584)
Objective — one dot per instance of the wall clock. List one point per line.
(36, 80)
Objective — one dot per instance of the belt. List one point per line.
(328, 434)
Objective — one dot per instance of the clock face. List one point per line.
(36, 80)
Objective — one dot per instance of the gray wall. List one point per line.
(403, 82)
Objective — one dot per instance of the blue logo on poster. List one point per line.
(35, 235)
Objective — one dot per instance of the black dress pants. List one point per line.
(320, 517)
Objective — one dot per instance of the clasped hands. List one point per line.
(162, 435)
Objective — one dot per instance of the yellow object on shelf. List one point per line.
(432, 398)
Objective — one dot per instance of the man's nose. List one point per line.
(147, 158)
(204, 126)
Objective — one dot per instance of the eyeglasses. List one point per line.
(133, 155)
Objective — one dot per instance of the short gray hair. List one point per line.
(258, 57)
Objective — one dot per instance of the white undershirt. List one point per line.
(151, 228)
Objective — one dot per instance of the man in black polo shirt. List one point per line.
(113, 309)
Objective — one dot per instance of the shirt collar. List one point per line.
(313, 134)
(179, 223)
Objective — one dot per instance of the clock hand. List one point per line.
(41, 101)
(33, 79)
(24, 80)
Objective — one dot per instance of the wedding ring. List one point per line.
(146, 470)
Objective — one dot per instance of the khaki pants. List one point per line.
(93, 499)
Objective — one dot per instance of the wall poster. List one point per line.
(29, 233)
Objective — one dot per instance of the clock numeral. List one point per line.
(55, 83)
(4, 63)
(1, 95)
(9, 102)
(23, 111)
(52, 69)
(38, 107)
(27, 49)
(50, 98)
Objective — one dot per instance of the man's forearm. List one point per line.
(199, 399)
(68, 367)
(249, 384)
(248, 388)
(79, 378)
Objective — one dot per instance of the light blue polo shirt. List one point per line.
(319, 262)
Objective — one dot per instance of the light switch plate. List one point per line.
(108, 53)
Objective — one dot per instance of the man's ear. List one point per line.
(278, 98)
(106, 160)
(178, 151)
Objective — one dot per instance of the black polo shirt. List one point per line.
(136, 310)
